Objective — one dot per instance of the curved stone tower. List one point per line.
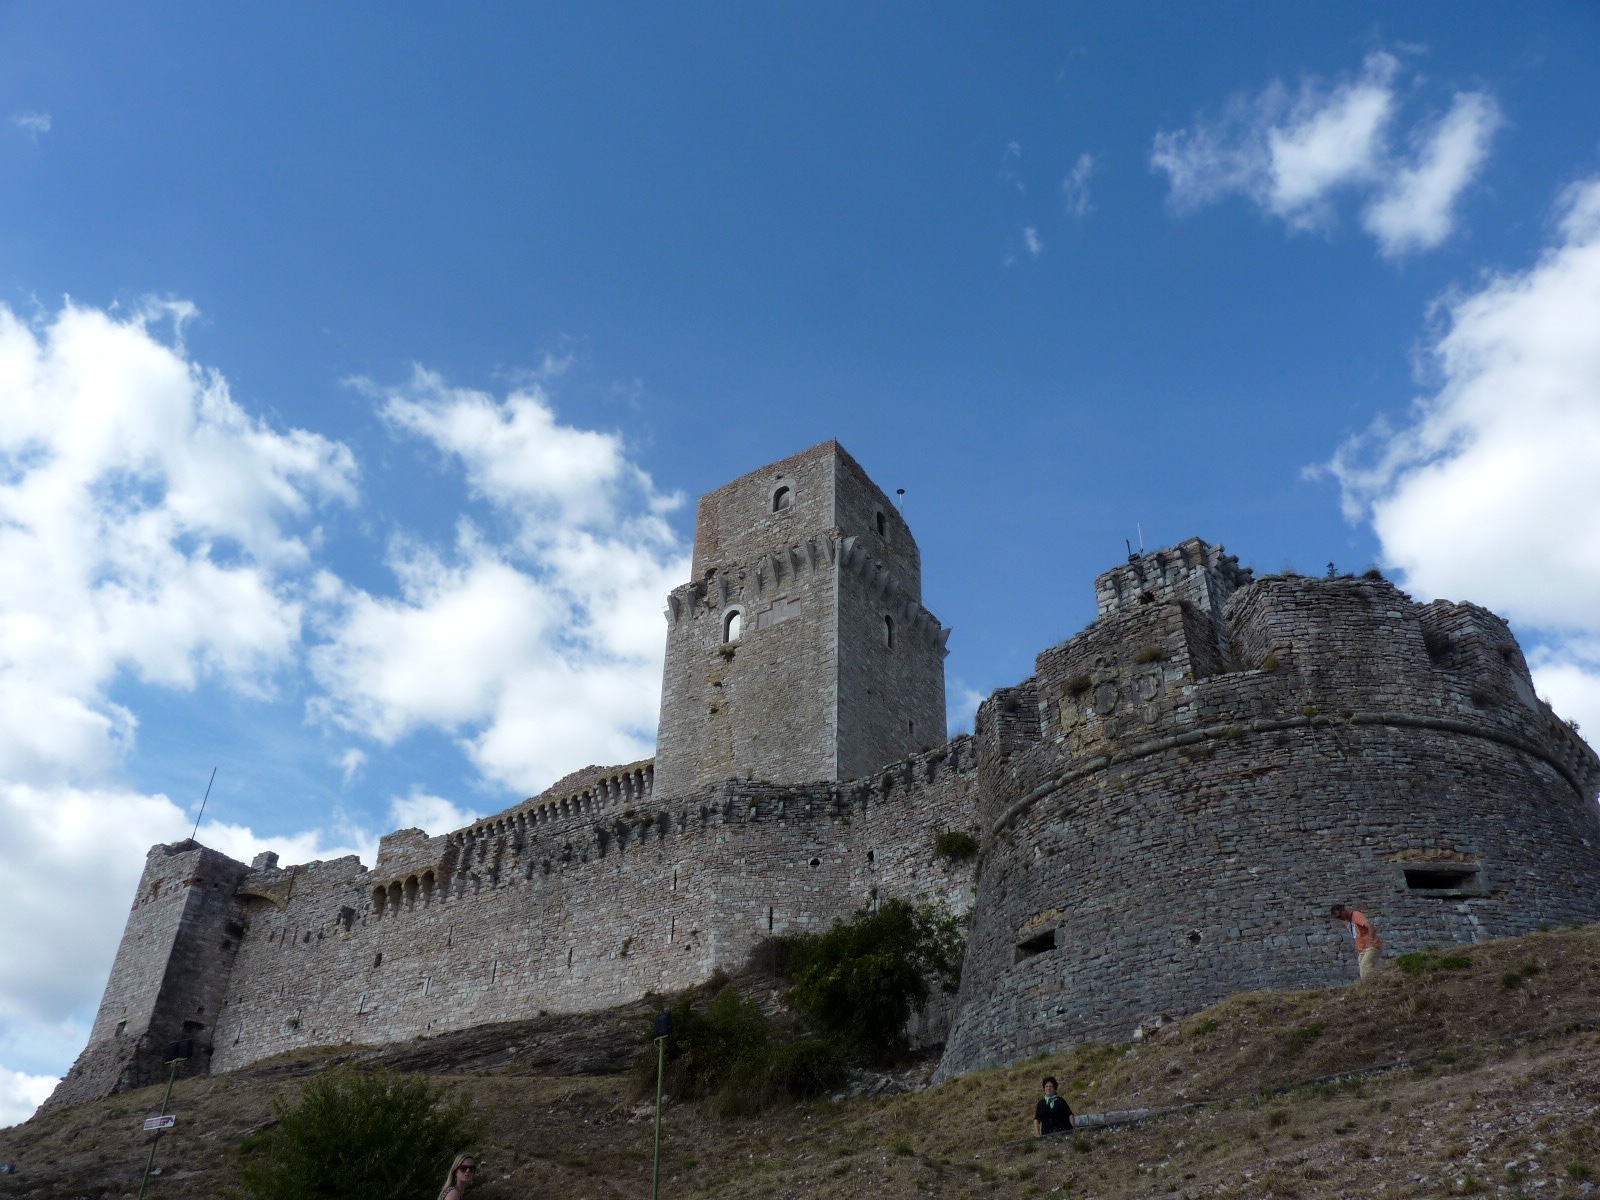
(1173, 801)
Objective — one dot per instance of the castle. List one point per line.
(1165, 810)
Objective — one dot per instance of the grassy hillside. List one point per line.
(1475, 1072)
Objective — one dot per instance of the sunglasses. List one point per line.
(465, 1170)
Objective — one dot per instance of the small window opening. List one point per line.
(377, 960)
(911, 728)
(121, 1025)
(1036, 945)
(816, 862)
(1452, 879)
(888, 632)
(781, 499)
(883, 526)
(732, 624)
(769, 920)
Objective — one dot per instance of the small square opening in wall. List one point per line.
(1443, 879)
(1033, 946)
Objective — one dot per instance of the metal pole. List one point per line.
(151, 1161)
(655, 1173)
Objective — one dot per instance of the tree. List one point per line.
(354, 1136)
(863, 979)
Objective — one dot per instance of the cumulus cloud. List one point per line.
(1490, 490)
(151, 529)
(1075, 187)
(1416, 209)
(1030, 239)
(1293, 153)
(21, 1093)
(539, 650)
(431, 814)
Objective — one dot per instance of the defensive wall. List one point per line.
(561, 904)
(1173, 801)
(1167, 808)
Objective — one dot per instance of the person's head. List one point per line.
(1341, 911)
(462, 1170)
(1050, 1085)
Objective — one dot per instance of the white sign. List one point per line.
(166, 1122)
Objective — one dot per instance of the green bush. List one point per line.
(728, 1049)
(862, 979)
(355, 1136)
(955, 844)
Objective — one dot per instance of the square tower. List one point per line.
(800, 651)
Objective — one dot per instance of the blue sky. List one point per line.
(359, 366)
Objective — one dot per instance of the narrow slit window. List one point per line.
(888, 632)
(883, 526)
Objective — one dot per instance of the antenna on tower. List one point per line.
(203, 800)
(900, 500)
(1132, 557)
(1140, 528)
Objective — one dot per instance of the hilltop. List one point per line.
(1475, 1071)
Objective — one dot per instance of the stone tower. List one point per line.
(799, 651)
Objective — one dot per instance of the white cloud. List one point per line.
(1491, 490)
(1075, 187)
(1292, 154)
(352, 762)
(431, 814)
(149, 528)
(1030, 239)
(21, 1093)
(1008, 166)
(32, 123)
(539, 653)
(144, 528)
(1416, 210)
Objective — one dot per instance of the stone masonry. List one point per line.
(1174, 800)
(1167, 808)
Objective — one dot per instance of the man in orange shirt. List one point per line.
(1368, 944)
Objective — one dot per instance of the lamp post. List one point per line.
(177, 1052)
(663, 1031)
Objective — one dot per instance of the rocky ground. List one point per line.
(1477, 1075)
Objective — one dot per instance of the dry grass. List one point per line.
(1480, 1094)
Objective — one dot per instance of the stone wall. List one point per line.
(560, 907)
(1173, 802)
(170, 978)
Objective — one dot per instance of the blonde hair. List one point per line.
(450, 1179)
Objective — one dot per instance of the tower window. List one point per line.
(883, 525)
(888, 632)
(732, 624)
(781, 499)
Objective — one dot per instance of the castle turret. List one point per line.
(170, 978)
(800, 651)
(1174, 799)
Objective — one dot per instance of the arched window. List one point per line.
(888, 632)
(731, 626)
(781, 499)
(883, 525)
